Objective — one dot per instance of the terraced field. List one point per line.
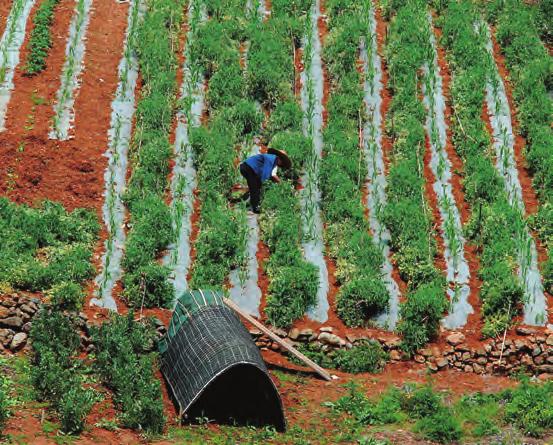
(415, 226)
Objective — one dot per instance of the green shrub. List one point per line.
(128, 370)
(57, 374)
(530, 407)
(420, 401)
(148, 286)
(360, 299)
(287, 115)
(45, 246)
(291, 292)
(420, 317)
(365, 357)
(74, 406)
(441, 427)
(5, 385)
(67, 296)
(226, 86)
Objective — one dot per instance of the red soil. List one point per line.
(70, 171)
(4, 13)
(298, 69)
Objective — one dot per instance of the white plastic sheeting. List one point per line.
(183, 182)
(122, 112)
(10, 45)
(376, 177)
(312, 104)
(535, 309)
(64, 114)
(457, 268)
(245, 291)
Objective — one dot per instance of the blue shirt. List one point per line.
(262, 165)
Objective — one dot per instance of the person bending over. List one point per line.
(258, 168)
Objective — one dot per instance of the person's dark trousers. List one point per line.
(254, 185)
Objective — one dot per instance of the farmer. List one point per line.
(258, 168)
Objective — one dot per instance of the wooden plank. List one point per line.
(325, 375)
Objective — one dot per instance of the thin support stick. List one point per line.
(325, 375)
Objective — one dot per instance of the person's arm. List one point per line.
(274, 176)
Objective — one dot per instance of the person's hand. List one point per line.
(275, 178)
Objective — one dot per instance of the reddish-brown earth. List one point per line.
(71, 171)
(5, 8)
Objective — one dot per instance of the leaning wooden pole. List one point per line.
(325, 375)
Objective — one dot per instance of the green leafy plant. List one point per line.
(40, 40)
(127, 368)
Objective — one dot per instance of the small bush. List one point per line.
(441, 427)
(40, 40)
(530, 407)
(421, 401)
(361, 299)
(127, 368)
(365, 357)
(74, 406)
(67, 296)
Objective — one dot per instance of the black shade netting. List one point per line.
(215, 370)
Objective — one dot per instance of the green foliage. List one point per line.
(364, 357)
(343, 171)
(494, 225)
(420, 317)
(40, 40)
(479, 414)
(226, 86)
(67, 296)
(269, 72)
(293, 281)
(150, 218)
(420, 401)
(285, 116)
(531, 71)
(45, 246)
(5, 402)
(440, 427)
(56, 374)
(127, 369)
(530, 407)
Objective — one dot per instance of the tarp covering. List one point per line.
(214, 368)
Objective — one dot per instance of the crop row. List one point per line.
(145, 280)
(10, 44)
(362, 294)
(72, 68)
(40, 40)
(493, 222)
(293, 281)
(457, 268)
(407, 213)
(214, 50)
(122, 113)
(530, 69)
(373, 149)
(183, 180)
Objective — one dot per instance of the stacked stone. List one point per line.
(531, 351)
(16, 313)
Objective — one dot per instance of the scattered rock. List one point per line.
(456, 338)
(521, 330)
(330, 339)
(280, 332)
(441, 362)
(19, 340)
(549, 341)
(294, 334)
(326, 329)
(395, 355)
(12, 322)
(419, 358)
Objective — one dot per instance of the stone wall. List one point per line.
(16, 313)
(531, 351)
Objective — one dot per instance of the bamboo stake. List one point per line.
(325, 375)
